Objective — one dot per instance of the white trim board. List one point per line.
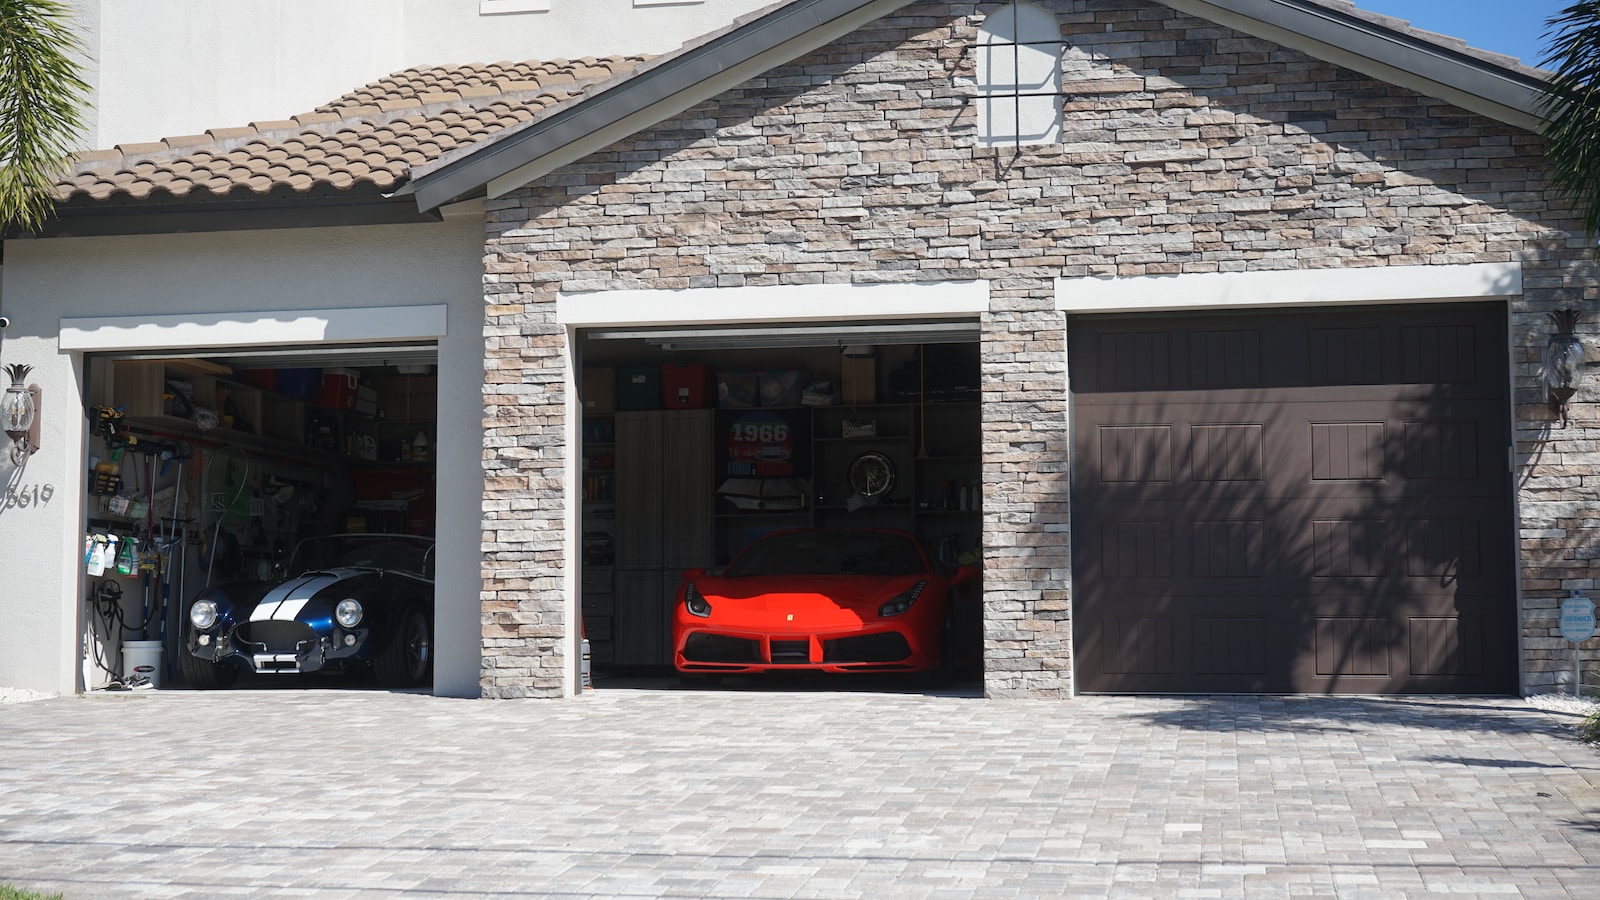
(784, 303)
(1299, 287)
(254, 329)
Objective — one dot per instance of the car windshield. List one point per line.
(829, 552)
(392, 552)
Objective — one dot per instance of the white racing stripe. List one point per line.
(280, 610)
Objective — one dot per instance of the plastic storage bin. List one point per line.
(638, 387)
(687, 386)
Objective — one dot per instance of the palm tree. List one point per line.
(1571, 107)
(42, 93)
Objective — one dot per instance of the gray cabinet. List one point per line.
(664, 492)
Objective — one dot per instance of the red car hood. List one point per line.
(803, 601)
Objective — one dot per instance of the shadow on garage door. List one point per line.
(1311, 501)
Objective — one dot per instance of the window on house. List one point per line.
(1019, 77)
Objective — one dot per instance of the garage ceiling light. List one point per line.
(799, 335)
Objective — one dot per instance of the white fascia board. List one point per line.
(254, 329)
(1300, 287)
(784, 303)
(1499, 98)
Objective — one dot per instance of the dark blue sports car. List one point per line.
(359, 601)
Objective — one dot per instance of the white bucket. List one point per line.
(142, 658)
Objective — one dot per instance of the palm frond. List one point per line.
(42, 95)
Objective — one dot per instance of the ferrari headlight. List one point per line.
(203, 613)
(348, 613)
(694, 603)
(902, 601)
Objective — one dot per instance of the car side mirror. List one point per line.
(691, 574)
(965, 574)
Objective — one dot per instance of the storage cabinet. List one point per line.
(663, 520)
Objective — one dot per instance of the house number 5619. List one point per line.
(30, 495)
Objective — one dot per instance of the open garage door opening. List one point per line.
(261, 518)
(849, 455)
(1309, 501)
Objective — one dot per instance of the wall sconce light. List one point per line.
(19, 411)
(1563, 363)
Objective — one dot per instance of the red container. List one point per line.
(340, 388)
(691, 386)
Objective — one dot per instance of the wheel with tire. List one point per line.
(408, 660)
(205, 675)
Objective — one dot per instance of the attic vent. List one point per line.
(1019, 77)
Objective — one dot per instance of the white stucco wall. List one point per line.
(48, 280)
(228, 64)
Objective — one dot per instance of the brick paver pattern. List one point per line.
(792, 793)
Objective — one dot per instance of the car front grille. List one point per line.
(720, 648)
(889, 646)
(276, 636)
(791, 652)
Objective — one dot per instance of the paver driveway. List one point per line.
(791, 793)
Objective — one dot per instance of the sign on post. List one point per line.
(1577, 626)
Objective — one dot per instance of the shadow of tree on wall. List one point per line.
(1328, 511)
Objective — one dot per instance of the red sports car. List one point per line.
(820, 599)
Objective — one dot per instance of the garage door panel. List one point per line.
(1312, 502)
(1294, 449)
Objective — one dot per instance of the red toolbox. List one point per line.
(691, 386)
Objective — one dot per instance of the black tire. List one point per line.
(205, 675)
(408, 660)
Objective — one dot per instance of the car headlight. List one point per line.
(203, 613)
(348, 613)
(694, 603)
(902, 601)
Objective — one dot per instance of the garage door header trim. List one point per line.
(784, 303)
(288, 327)
(1300, 287)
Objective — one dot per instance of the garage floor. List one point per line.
(632, 792)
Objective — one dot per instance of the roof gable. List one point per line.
(1334, 30)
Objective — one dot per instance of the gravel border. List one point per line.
(18, 695)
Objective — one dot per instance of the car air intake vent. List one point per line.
(791, 651)
(276, 636)
(877, 648)
(717, 648)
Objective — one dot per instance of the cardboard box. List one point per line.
(408, 398)
(858, 380)
(599, 390)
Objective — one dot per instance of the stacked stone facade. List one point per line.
(1186, 148)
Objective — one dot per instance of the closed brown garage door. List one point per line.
(1308, 501)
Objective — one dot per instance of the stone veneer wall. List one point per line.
(1186, 147)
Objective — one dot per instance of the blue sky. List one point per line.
(1515, 27)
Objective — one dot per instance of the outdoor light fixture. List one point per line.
(19, 411)
(1563, 363)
